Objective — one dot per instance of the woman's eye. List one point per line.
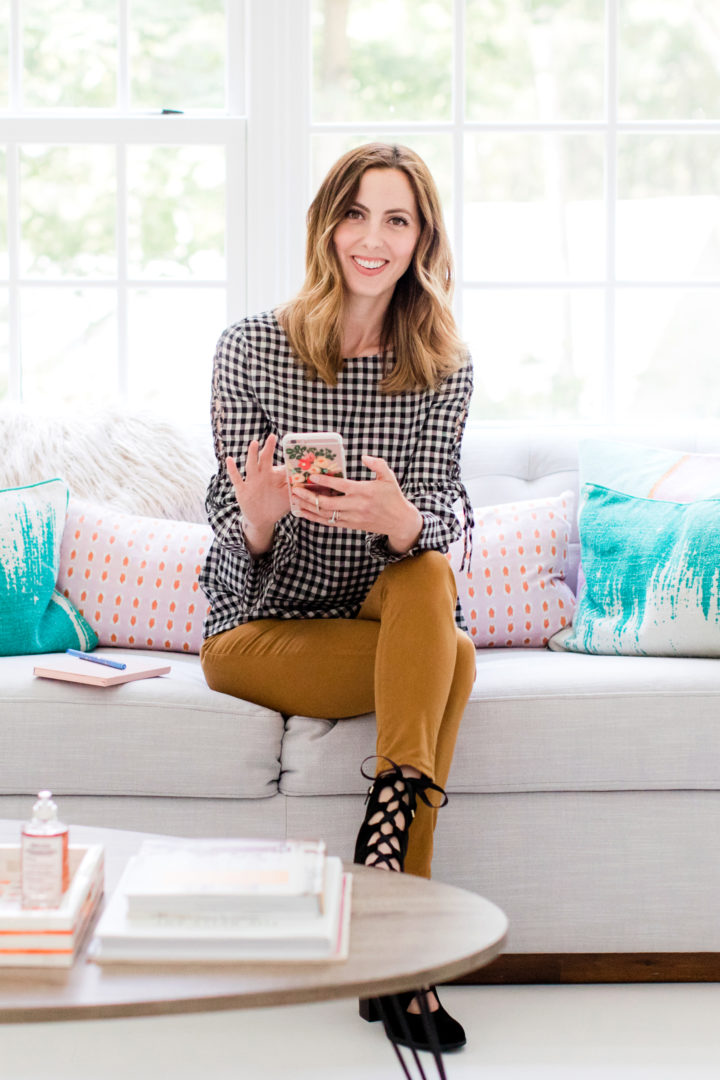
(353, 214)
(398, 221)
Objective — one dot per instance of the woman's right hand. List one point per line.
(262, 496)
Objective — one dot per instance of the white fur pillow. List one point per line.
(134, 462)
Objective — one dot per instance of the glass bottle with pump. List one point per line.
(45, 871)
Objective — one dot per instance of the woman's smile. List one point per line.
(369, 266)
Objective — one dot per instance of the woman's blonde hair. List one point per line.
(419, 326)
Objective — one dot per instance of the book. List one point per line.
(260, 937)
(73, 669)
(49, 937)
(227, 876)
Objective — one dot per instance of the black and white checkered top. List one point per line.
(312, 571)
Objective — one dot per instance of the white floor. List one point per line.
(641, 1032)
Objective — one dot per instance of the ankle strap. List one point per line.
(423, 784)
(419, 784)
(373, 776)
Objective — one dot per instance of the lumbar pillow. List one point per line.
(36, 618)
(514, 591)
(652, 576)
(650, 472)
(135, 578)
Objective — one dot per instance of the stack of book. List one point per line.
(225, 901)
(50, 937)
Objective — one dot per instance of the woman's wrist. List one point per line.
(258, 538)
(403, 538)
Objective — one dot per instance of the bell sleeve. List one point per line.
(431, 481)
(237, 418)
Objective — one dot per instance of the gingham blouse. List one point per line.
(312, 571)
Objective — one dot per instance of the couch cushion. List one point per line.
(544, 721)
(165, 736)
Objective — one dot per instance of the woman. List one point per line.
(350, 606)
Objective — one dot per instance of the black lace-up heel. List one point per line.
(382, 841)
(391, 801)
(413, 1029)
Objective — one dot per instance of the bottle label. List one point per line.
(42, 870)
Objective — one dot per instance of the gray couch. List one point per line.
(584, 797)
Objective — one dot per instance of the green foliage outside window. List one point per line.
(525, 61)
(178, 54)
(375, 60)
(70, 53)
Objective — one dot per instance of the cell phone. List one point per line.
(313, 453)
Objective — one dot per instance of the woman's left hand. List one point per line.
(376, 506)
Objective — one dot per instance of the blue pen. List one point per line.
(95, 659)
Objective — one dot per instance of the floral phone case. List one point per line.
(313, 453)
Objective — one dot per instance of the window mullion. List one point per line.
(123, 71)
(235, 73)
(278, 148)
(16, 56)
(236, 91)
(458, 224)
(236, 255)
(611, 106)
(148, 130)
(13, 203)
(121, 218)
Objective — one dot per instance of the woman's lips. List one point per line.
(369, 267)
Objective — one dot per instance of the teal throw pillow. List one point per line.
(34, 616)
(652, 577)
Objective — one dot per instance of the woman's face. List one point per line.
(376, 240)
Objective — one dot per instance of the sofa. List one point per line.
(584, 797)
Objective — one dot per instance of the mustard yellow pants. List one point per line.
(403, 657)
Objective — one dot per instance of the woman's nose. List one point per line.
(372, 236)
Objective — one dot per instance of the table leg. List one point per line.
(430, 1033)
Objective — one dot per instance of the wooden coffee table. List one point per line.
(405, 932)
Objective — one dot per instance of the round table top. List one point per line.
(405, 932)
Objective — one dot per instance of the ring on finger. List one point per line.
(317, 504)
(334, 517)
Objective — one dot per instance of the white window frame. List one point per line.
(289, 126)
(267, 131)
(278, 181)
(119, 128)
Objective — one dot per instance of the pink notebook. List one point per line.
(72, 669)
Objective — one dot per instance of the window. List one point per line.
(576, 144)
(117, 153)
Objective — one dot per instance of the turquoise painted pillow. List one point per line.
(34, 616)
(652, 576)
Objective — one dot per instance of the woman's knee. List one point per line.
(214, 669)
(423, 585)
(431, 568)
(222, 659)
(466, 663)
